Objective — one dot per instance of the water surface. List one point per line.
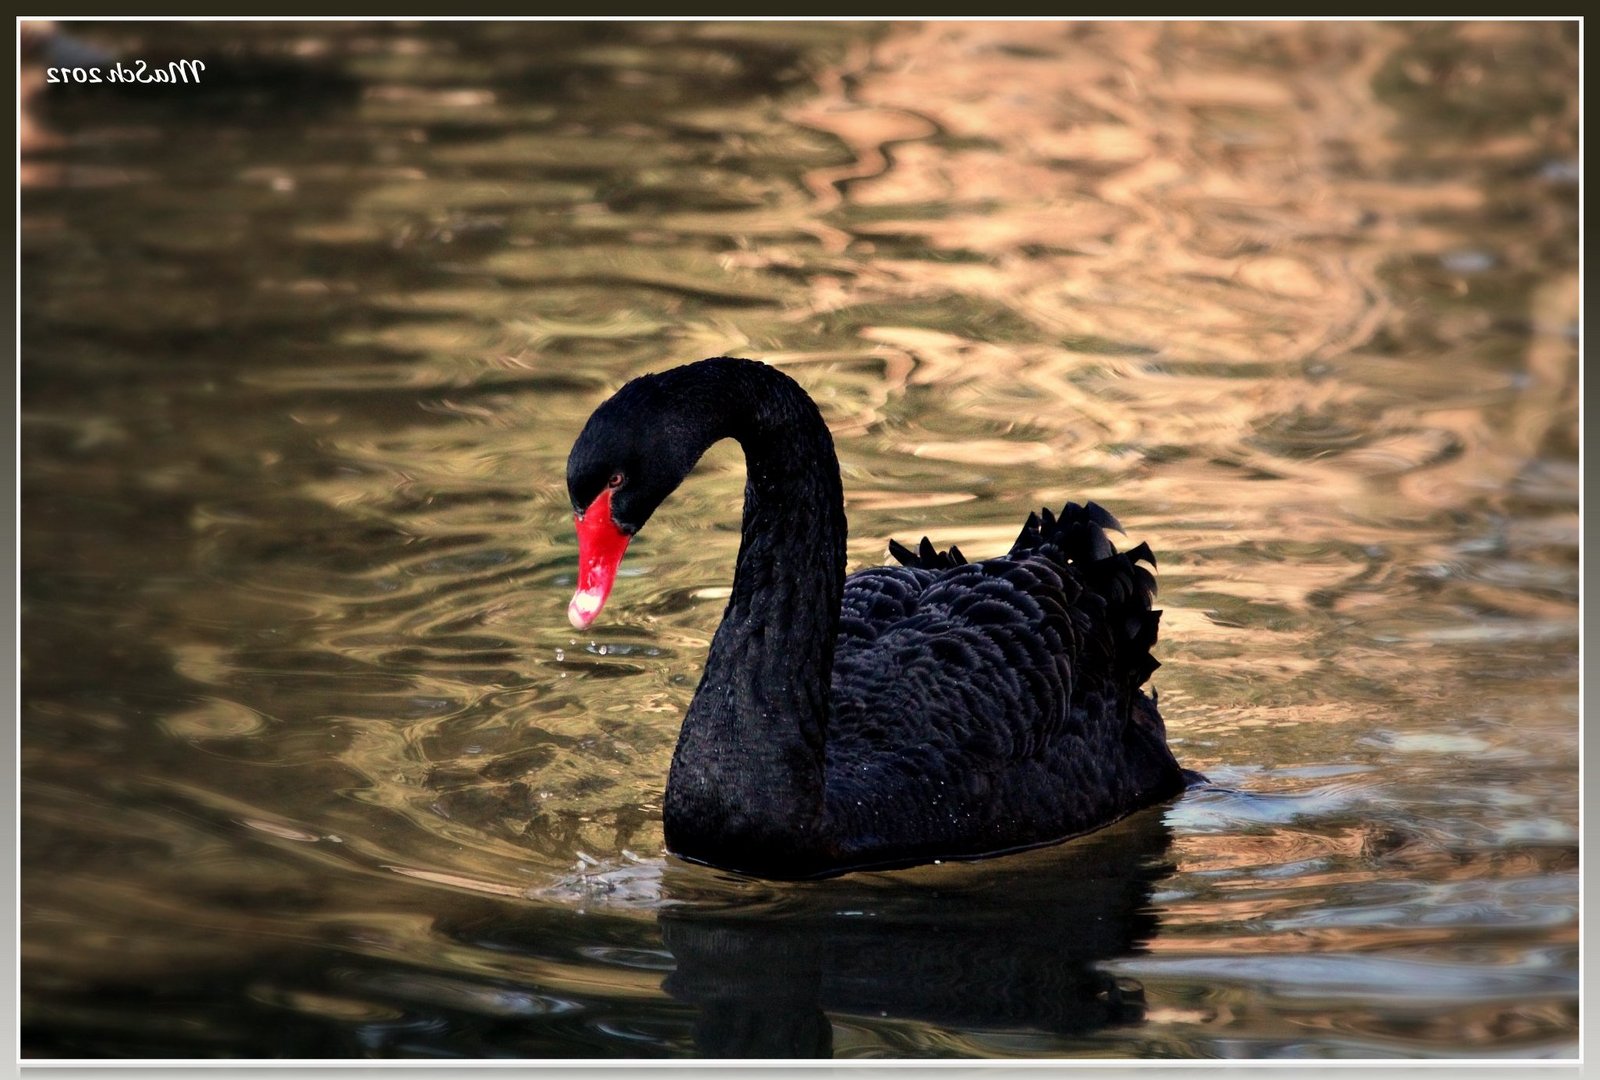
(313, 765)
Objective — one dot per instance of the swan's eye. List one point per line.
(615, 481)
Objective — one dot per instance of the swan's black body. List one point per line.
(938, 709)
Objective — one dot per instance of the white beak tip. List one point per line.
(583, 609)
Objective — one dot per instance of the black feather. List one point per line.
(1031, 661)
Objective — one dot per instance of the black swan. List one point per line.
(938, 709)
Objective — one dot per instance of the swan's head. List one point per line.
(634, 451)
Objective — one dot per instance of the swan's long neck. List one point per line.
(747, 777)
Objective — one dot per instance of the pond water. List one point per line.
(314, 766)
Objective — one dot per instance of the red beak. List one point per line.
(600, 548)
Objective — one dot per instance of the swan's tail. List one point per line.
(1078, 538)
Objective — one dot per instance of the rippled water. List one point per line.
(313, 766)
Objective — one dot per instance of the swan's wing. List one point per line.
(969, 694)
(976, 660)
(878, 598)
(1104, 596)
(926, 557)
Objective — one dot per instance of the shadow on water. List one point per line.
(1013, 947)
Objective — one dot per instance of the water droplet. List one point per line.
(1468, 261)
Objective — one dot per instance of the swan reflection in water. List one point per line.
(666, 960)
(1013, 944)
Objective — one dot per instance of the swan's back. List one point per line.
(979, 707)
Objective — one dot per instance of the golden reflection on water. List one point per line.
(1296, 301)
